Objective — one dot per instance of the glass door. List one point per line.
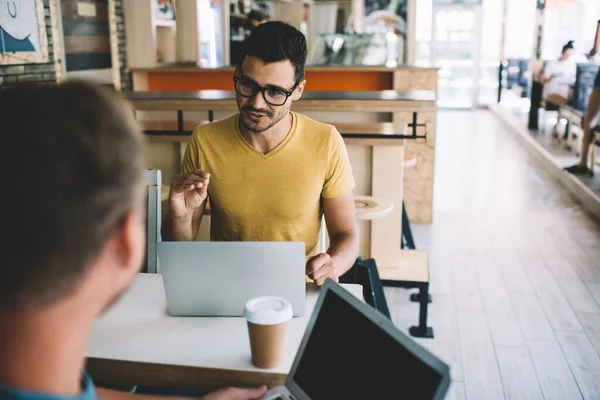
(455, 44)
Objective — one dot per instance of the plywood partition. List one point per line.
(418, 181)
(141, 48)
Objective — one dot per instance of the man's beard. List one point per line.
(255, 128)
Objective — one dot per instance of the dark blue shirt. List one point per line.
(87, 392)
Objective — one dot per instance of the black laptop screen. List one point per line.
(349, 357)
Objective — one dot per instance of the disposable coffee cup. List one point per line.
(267, 319)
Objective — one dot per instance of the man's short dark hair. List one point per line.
(73, 171)
(276, 41)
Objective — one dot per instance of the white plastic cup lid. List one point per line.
(268, 310)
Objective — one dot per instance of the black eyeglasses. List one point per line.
(272, 95)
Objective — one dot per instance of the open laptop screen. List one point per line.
(348, 356)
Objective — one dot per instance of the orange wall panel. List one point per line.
(334, 80)
(184, 81)
(348, 80)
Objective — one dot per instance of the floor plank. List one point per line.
(514, 274)
(446, 343)
(502, 319)
(579, 297)
(584, 362)
(591, 324)
(518, 376)
(532, 318)
(482, 378)
(594, 288)
(553, 301)
(559, 266)
(466, 288)
(456, 391)
(554, 375)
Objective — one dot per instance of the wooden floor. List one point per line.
(515, 271)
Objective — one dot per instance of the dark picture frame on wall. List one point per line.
(23, 37)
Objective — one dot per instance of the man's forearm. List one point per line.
(177, 229)
(343, 250)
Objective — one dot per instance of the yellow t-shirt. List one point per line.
(274, 196)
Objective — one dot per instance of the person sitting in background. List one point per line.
(76, 235)
(256, 17)
(590, 118)
(559, 76)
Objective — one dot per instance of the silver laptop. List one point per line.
(216, 279)
(351, 351)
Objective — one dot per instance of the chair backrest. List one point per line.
(154, 183)
(584, 82)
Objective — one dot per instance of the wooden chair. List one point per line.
(365, 273)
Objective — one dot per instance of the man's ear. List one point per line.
(299, 90)
(130, 243)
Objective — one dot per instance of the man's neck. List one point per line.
(267, 140)
(43, 352)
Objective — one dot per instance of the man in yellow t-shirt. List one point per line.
(270, 173)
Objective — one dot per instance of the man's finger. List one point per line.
(249, 393)
(200, 173)
(193, 176)
(189, 177)
(325, 271)
(321, 281)
(188, 182)
(317, 262)
(314, 265)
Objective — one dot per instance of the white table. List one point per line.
(136, 342)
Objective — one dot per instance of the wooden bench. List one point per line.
(411, 272)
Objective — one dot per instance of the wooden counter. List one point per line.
(364, 101)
